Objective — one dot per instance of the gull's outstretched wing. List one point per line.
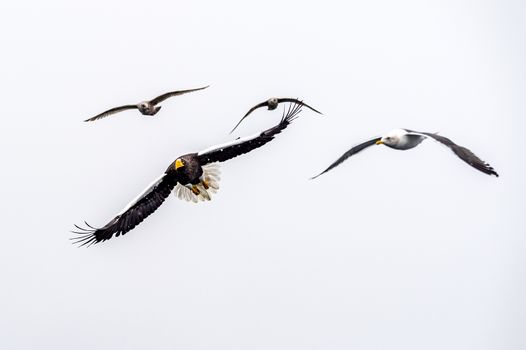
(352, 151)
(163, 97)
(295, 100)
(259, 105)
(462, 152)
(110, 112)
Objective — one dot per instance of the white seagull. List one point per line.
(404, 139)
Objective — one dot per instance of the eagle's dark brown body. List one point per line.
(191, 172)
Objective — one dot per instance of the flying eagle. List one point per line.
(272, 104)
(404, 139)
(145, 107)
(192, 177)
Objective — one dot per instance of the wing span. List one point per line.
(110, 112)
(163, 97)
(352, 151)
(280, 100)
(462, 152)
(295, 100)
(229, 150)
(259, 105)
(132, 215)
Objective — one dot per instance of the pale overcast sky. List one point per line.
(391, 250)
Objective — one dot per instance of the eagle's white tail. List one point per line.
(210, 179)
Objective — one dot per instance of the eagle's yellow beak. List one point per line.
(178, 164)
(379, 142)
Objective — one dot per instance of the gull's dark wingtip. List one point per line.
(316, 176)
(235, 127)
(200, 88)
(493, 172)
(315, 110)
(231, 131)
(487, 169)
(308, 106)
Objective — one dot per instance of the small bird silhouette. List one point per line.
(145, 107)
(272, 104)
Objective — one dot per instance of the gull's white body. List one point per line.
(402, 139)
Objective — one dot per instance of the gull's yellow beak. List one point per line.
(379, 142)
(178, 164)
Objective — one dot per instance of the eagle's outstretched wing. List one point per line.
(229, 150)
(133, 214)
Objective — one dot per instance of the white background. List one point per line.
(391, 250)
